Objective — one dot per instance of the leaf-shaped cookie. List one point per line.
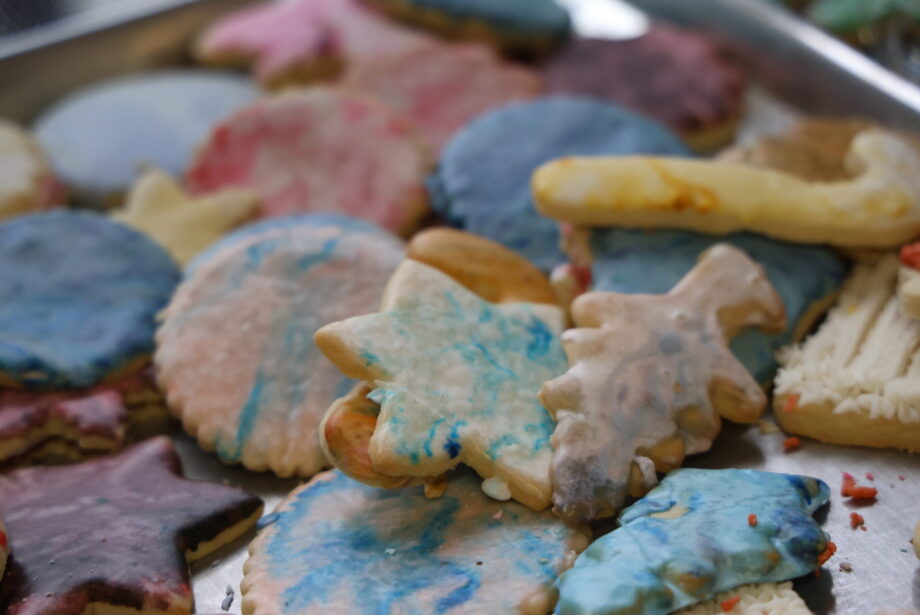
(650, 376)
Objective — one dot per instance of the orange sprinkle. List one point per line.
(752, 520)
(863, 493)
(856, 520)
(792, 402)
(792, 444)
(828, 553)
(910, 255)
(848, 484)
(728, 605)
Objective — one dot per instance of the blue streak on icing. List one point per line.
(482, 183)
(337, 539)
(80, 297)
(452, 445)
(636, 261)
(533, 17)
(653, 565)
(541, 339)
(267, 520)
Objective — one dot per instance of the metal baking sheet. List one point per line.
(828, 78)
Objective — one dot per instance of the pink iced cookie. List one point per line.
(442, 87)
(296, 40)
(318, 150)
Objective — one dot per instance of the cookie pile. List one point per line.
(460, 272)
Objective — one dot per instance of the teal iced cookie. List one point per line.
(482, 183)
(99, 138)
(338, 546)
(698, 533)
(81, 294)
(806, 277)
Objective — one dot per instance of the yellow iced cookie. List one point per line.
(878, 206)
(183, 224)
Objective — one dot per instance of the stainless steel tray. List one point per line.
(795, 65)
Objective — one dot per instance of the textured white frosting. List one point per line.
(772, 598)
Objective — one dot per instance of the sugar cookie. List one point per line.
(909, 280)
(763, 599)
(26, 181)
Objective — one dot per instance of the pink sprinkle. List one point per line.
(900, 477)
(870, 475)
(497, 515)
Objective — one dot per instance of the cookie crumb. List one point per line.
(846, 567)
(496, 488)
(791, 444)
(767, 427)
(435, 488)
(728, 605)
(228, 599)
(497, 516)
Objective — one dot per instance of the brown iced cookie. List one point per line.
(683, 79)
(114, 534)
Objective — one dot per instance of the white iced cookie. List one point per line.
(856, 381)
(772, 598)
(878, 206)
(183, 224)
(26, 182)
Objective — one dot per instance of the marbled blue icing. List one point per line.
(536, 17)
(98, 138)
(636, 261)
(79, 296)
(482, 183)
(338, 546)
(653, 565)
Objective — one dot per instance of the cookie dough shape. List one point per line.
(855, 380)
(98, 139)
(337, 546)
(295, 41)
(517, 26)
(650, 377)
(806, 277)
(318, 150)
(118, 530)
(441, 87)
(482, 181)
(879, 207)
(680, 78)
(26, 181)
(81, 294)
(184, 225)
(769, 598)
(689, 539)
(255, 391)
(456, 378)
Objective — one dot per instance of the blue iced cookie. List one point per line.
(806, 277)
(80, 294)
(482, 183)
(698, 533)
(98, 138)
(338, 546)
(517, 26)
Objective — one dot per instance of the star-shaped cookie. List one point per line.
(183, 224)
(650, 376)
(113, 534)
(457, 380)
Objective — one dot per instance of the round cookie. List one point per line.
(255, 391)
(26, 181)
(680, 78)
(372, 550)
(517, 26)
(440, 88)
(81, 295)
(482, 183)
(99, 138)
(318, 150)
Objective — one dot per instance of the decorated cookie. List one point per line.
(683, 79)
(318, 150)
(456, 378)
(516, 26)
(255, 392)
(114, 533)
(814, 149)
(26, 181)
(806, 277)
(81, 294)
(482, 183)
(766, 598)
(878, 207)
(650, 376)
(909, 280)
(294, 41)
(4, 549)
(184, 225)
(490, 270)
(441, 87)
(690, 538)
(100, 138)
(855, 380)
(375, 551)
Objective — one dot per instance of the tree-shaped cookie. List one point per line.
(457, 380)
(650, 376)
